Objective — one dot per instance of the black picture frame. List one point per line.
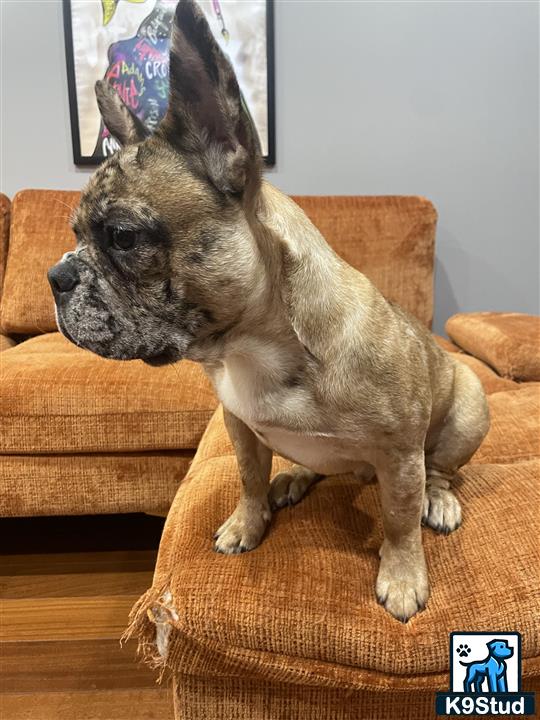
(86, 160)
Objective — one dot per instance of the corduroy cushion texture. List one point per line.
(39, 235)
(514, 434)
(90, 484)
(391, 239)
(301, 608)
(508, 342)
(57, 398)
(5, 206)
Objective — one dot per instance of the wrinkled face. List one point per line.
(163, 261)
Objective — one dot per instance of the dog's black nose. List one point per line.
(63, 277)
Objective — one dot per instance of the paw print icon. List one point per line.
(463, 650)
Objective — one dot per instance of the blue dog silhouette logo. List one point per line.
(485, 676)
(492, 668)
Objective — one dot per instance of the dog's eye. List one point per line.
(120, 238)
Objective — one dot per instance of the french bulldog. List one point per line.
(184, 251)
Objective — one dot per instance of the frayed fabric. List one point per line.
(150, 621)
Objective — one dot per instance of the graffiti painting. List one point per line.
(127, 43)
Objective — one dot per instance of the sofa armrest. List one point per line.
(508, 342)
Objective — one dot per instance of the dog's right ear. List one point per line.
(118, 118)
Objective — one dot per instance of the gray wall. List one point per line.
(431, 98)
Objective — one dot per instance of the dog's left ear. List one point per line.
(120, 121)
(207, 119)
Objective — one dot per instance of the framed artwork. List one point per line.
(127, 43)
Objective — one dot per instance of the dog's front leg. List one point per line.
(245, 527)
(402, 582)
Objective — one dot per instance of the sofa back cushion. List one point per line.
(4, 235)
(39, 235)
(390, 239)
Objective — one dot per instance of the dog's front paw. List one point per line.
(288, 488)
(402, 584)
(441, 510)
(243, 530)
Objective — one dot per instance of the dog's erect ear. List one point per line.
(207, 119)
(119, 119)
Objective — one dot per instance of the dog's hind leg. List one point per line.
(288, 488)
(454, 444)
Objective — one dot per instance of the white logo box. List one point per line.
(476, 643)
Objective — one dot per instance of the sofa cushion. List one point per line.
(446, 344)
(90, 483)
(5, 206)
(509, 342)
(391, 239)
(57, 398)
(301, 608)
(40, 234)
(514, 434)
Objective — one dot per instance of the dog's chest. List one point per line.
(244, 390)
(273, 413)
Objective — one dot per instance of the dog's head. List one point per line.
(165, 253)
(500, 649)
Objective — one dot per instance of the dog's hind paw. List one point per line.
(441, 511)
